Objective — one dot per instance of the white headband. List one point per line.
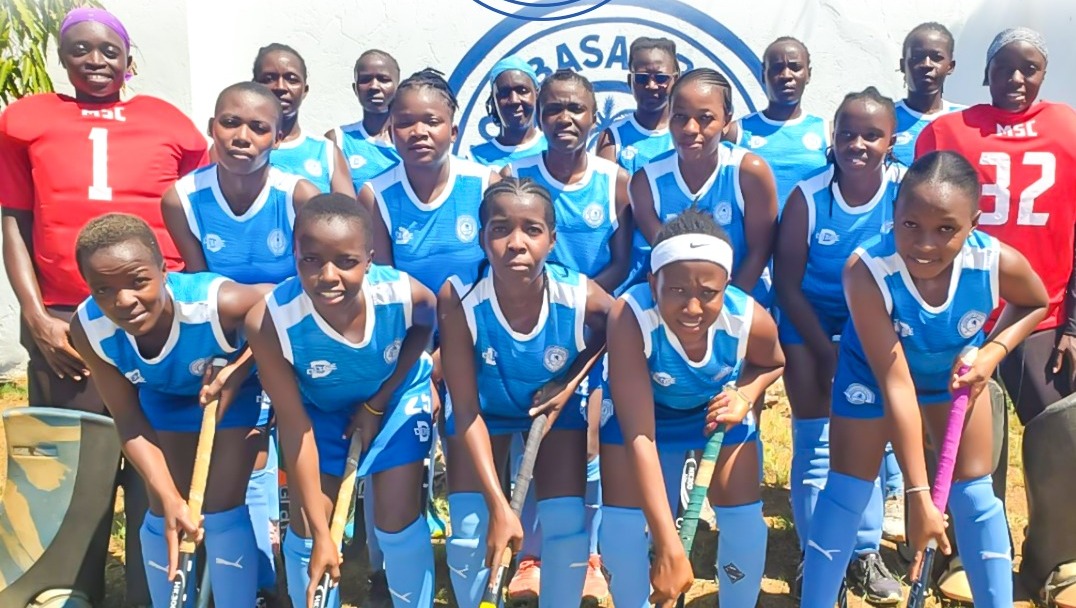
(691, 247)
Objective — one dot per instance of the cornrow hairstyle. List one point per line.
(274, 47)
(869, 94)
(929, 26)
(253, 88)
(568, 75)
(114, 229)
(428, 78)
(707, 76)
(691, 221)
(787, 40)
(945, 167)
(644, 43)
(389, 59)
(332, 206)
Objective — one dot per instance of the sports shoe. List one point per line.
(377, 594)
(868, 575)
(526, 582)
(595, 586)
(893, 522)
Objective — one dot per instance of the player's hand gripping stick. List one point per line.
(340, 513)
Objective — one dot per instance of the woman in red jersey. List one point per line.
(1022, 148)
(63, 161)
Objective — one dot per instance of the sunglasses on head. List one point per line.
(644, 78)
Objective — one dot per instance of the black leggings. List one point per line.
(1028, 375)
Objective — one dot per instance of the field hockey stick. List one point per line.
(206, 589)
(491, 597)
(203, 454)
(943, 479)
(340, 513)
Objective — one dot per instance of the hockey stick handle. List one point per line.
(492, 594)
(705, 473)
(344, 497)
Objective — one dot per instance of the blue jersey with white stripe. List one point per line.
(586, 212)
(195, 338)
(910, 123)
(333, 372)
(932, 336)
(311, 157)
(366, 156)
(835, 229)
(511, 366)
(433, 241)
(255, 247)
(677, 381)
(793, 148)
(637, 145)
(496, 155)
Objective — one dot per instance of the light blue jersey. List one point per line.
(793, 148)
(367, 157)
(496, 155)
(336, 375)
(636, 145)
(511, 366)
(255, 247)
(910, 123)
(932, 337)
(169, 382)
(433, 241)
(311, 157)
(586, 212)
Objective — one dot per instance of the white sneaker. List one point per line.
(893, 521)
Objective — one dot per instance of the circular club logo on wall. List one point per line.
(593, 37)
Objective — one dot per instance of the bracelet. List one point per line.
(372, 410)
(917, 489)
(739, 393)
(1003, 347)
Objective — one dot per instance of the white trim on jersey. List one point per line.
(185, 186)
(180, 311)
(212, 301)
(838, 196)
(612, 173)
(277, 314)
(678, 175)
(468, 312)
(330, 158)
(397, 291)
(97, 331)
(213, 184)
(735, 158)
(647, 320)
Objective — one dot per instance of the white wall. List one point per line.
(188, 50)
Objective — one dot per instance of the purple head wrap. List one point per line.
(97, 15)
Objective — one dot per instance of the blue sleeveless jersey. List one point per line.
(255, 247)
(496, 155)
(586, 212)
(910, 123)
(636, 145)
(433, 241)
(932, 336)
(366, 156)
(835, 229)
(512, 366)
(793, 149)
(311, 157)
(334, 373)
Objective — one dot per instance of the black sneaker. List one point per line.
(377, 594)
(868, 575)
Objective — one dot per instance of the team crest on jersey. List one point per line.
(858, 394)
(723, 213)
(392, 352)
(320, 369)
(812, 141)
(555, 358)
(971, 323)
(594, 215)
(197, 367)
(313, 167)
(490, 356)
(628, 152)
(403, 236)
(756, 141)
(213, 243)
(827, 237)
(904, 138)
(356, 161)
(597, 47)
(466, 228)
(277, 242)
(663, 379)
(135, 377)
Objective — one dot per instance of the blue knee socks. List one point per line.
(297, 550)
(892, 477)
(593, 500)
(869, 534)
(833, 535)
(625, 548)
(466, 547)
(373, 543)
(261, 485)
(983, 539)
(564, 551)
(741, 554)
(810, 465)
(155, 560)
(233, 556)
(409, 564)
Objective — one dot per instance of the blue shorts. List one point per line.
(568, 420)
(832, 324)
(856, 393)
(680, 430)
(183, 413)
(405, 428)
